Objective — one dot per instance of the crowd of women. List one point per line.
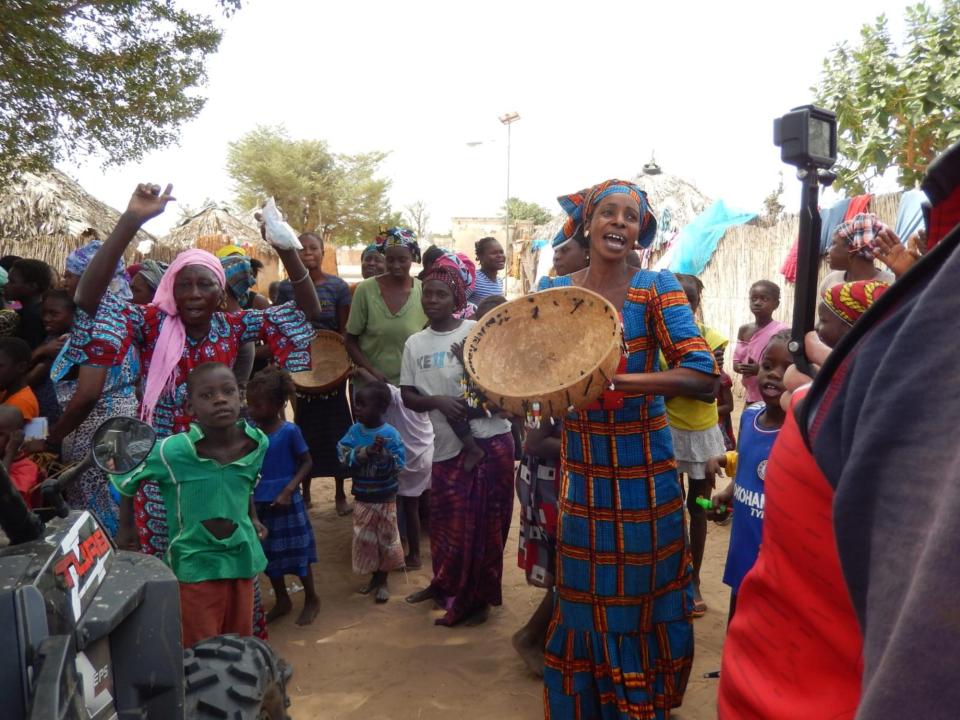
(610, 545)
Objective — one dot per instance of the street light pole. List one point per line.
(508, 119)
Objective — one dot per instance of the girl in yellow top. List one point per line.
(696, 438)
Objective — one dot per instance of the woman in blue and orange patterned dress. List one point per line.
(620, 644)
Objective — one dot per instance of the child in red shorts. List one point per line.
(206, 476)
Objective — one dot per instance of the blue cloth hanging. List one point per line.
(910, 214)
(830, 219)
(698, 239)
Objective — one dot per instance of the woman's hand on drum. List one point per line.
(452, 408)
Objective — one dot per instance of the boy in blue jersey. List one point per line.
(759, 426)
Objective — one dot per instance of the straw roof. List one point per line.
(47, 216)
(216, 221)
(53, 205)
(675, 201)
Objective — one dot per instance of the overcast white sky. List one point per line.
(598, 87)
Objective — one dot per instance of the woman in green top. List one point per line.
(386, 309)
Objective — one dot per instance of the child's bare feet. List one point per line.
(343, 507)
(311, 606)
(382, 594)
(280, 608)
(473, 456)
(527, 649)
(412, 562)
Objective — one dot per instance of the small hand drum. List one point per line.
(330, 364)
(559, 348)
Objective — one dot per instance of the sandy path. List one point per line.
(363, 661)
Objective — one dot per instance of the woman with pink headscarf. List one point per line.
(183, 327)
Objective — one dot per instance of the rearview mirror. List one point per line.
(120, 444)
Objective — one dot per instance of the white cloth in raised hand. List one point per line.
(278, 233)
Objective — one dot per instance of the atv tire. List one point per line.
(235, 678)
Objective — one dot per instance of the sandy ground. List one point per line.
(360, 660)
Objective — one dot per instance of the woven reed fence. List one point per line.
(748, 253)
(53, 250)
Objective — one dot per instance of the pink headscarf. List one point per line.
(169, 349)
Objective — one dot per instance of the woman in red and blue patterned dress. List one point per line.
(182, 328)
(620, 644)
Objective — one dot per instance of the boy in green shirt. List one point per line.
(206, 476)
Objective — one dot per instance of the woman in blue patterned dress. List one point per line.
(620, 644)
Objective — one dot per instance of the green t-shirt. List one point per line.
(380, 333)
(195, 489)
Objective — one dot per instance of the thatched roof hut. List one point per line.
(48, 216)
(217, 225)
(675, 201)
(213, 227)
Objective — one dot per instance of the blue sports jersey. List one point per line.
(754, 445)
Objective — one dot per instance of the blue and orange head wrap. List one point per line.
(455, 271)
(78, 260)
(239, 276)
(579, 208)
(400, 237)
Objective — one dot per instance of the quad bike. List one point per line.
(90, 631)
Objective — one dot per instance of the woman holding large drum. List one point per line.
(470, 504)
(621, 641)
(323, 417)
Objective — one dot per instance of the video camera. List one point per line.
(807, 138)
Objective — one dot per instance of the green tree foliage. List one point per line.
(338, 196)
(896, 107)
(83, 77)
(522, 210)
